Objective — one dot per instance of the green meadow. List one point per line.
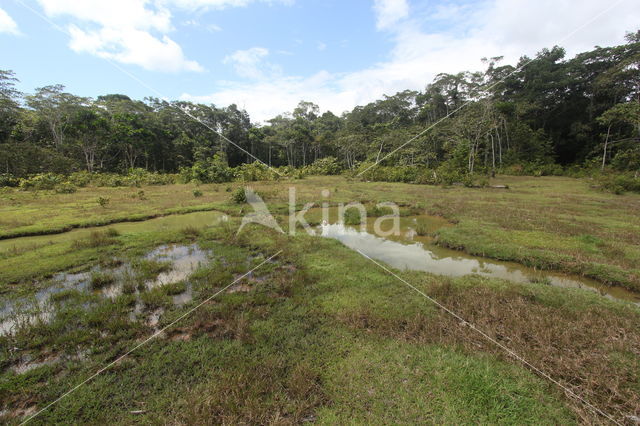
(319, 333)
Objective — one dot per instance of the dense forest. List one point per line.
(544, 112)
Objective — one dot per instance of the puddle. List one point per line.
(183, 260)
(409, 251)
(27, 363)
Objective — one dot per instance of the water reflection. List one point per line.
(184, 260)
(422, 256)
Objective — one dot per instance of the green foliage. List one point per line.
(534, 169)
(8, 180)
(324, 166)
(41, 181)
(210, 170)
(197, 193)
(352, 217)
(619, 183)
(250, 172)
(65, 188)
(97, 239)
(239, 196)
(378, 173)
(80, 179)
(422, 229)
(557, 111)
(101, 279)
(103, 201)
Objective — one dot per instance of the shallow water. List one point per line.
(407, 251)
(184, 260)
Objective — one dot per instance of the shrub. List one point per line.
(253, 172)
(324, 166)
(352, 217)
(239, 196)
(197, 193)
(103, 201)
(41, 181)
(619, 183)
(80, 179)
(7, 179)
(65, 188)
(211, 170)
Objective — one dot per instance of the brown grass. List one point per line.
(592, 352)
(267, 392)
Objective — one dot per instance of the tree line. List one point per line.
(546, 110)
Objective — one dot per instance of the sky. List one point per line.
(267, 55)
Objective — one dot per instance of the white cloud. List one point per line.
(134, 31)
(123, 31)
(389, 12)
(508, 28)
(114, 14)
(216, 4)
(132, 46)
(321, 46)
(250, 63)
(7, 24)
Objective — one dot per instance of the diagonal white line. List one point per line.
(495, 342)
(154, 335)
(158, 93)
(614, 4)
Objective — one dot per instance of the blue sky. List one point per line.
(265, 56)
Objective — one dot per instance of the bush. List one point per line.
(352, 217)
(197, 193)
(103, 201)
(534, 169)
(65, 188)
(7, 179)
(211, 170)
(80, 179)
(324, 166)
(41, 181)
(239, 196)
(253, 172)
(619, 183)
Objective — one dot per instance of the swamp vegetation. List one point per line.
(319, 333)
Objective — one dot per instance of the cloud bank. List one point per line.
(508, 28)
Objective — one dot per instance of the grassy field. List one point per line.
(548, 222)
(322, 334)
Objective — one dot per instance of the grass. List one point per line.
(101, 279)
(326, 336)
(547, 222)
